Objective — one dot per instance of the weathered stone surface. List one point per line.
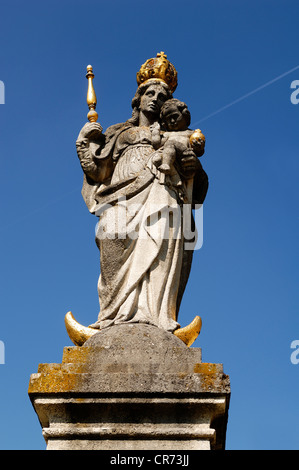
(136, 174)
(131, 386)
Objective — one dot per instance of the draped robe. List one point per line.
(144, 267)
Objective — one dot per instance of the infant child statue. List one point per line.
(175, 119)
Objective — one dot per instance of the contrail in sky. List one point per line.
(246, 95)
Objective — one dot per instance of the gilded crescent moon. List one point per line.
(79, 334)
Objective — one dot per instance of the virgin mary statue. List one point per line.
(144, 264)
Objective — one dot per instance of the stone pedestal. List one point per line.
(132, 387)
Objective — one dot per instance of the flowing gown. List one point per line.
(139, 236)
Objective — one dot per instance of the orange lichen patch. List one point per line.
(75, 354)
(209, 382)
(51, 379)
(46, 368)
(208, 368)
(210, 375)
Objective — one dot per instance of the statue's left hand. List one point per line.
(198, 147)
(189, 163)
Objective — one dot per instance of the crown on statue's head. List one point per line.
(158, 68)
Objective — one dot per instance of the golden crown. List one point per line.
(158, 68)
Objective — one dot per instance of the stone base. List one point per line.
(132, 387)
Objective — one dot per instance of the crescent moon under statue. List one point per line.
(79, 334)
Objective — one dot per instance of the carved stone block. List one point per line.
(132, 386)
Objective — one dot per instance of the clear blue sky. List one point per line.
(244, 280)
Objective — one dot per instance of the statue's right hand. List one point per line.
(89, 145)
(91, 130)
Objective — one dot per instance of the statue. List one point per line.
(135, 174)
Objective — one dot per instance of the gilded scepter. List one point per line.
(92, 115)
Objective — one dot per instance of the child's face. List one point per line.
(174, 119)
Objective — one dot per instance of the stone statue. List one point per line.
(138, 175)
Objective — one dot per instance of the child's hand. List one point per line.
(197, 142)
(198, 146)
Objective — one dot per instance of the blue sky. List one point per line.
(244, 278)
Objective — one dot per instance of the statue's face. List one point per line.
(153, 98)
